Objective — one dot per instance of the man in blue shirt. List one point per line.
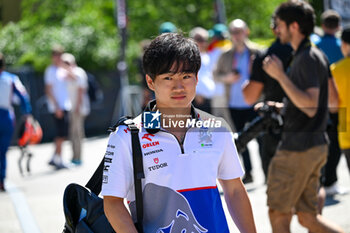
(328, 43)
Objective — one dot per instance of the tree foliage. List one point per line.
(87, 28)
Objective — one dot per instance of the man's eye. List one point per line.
(167, 78)
(187, 77)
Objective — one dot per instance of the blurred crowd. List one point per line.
(303, 75)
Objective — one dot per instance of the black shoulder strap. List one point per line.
(95, 182)
(138, 174)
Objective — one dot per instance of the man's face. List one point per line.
(174, 90)
(238, 35)
(56, 59)
(283, 32)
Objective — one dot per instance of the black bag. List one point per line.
(83, 209)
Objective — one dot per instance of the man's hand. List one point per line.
(273, 66)
(277, 105)
(59, 113)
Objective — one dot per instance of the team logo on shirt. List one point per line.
(157, 166)
(146, 145)
(205, 138)
(156, 160)
(153, 152)
(147, 136)
(179, 217)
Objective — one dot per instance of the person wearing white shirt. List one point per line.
(77, 90)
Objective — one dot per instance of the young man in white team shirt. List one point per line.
(181, 164)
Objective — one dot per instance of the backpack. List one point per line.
(83, 208)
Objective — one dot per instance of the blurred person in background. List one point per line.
(233, 70)
(219, 43)
(261, 87)
(167, 27)
(77, 88)
(59, 103)
(206, 86)
(340, 71)
(330, 45)
(10, 86)
(303, 149)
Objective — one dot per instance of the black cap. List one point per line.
(345, 36)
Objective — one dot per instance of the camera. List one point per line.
(268, 120)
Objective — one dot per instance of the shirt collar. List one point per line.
(303, 45)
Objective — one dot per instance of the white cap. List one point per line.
(68, 57)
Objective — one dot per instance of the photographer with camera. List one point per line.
(261, 85)
(303, 148)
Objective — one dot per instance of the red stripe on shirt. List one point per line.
(194, 189)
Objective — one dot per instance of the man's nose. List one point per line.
(178, 85)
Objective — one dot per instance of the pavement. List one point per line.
(33, 202)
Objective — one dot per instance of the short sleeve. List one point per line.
(83, 79)
(258, 74)
(48, 76)
(230, 166)
(310, 75)
(117, 178)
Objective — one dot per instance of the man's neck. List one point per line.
(296, 41)
(240, 47)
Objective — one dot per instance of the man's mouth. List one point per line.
(178, 97)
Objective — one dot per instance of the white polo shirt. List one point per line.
(179, 189)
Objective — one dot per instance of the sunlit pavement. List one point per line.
(33, 203)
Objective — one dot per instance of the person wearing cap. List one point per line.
(340, 72)
(233, 70)
(77, 89)
(59, 103)
(206, 86)
(10, 86)
(167, 27)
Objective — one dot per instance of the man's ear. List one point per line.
(149, 82)
(196, 79)
(294, 27)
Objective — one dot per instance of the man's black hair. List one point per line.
(300, 12)
(330, 19)
(345, 36)
(171, 53)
